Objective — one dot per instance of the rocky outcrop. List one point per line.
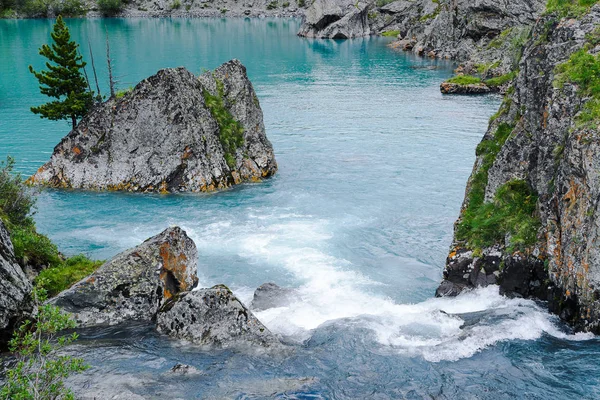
(134, 284)
(530, 219)
(269, 295)
(212, 317)
(455, 88)
(336, 19)
(174, 132)
(15, 289)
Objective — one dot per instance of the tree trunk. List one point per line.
(74, 120)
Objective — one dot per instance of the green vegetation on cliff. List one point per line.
(231, 132)
(583, 69)
(464, 80)
(512, 212)
(569, 8)
(32, 248)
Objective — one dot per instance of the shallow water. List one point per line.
(373, 163)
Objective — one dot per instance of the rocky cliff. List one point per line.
(174, 132)
(15, 289)
(336, 19)
(530, 219)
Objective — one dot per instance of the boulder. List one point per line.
(336, 19)
(134, 284)
(15, 301)
(473, 88)
(269, 295)
(174, 132)
(212, 317)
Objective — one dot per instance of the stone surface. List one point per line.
(15, 289)
(212, 317)
(336, 19)
(162, 137)
(134, 284)
(269, 295)
(455, 88)
(560, 160)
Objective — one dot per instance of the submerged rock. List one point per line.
(540, 158)
(212, 317)
(336, 19)
(136, 283)
(269, 295)
(174, 132)
(15, 289)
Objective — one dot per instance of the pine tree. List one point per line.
(63, 80)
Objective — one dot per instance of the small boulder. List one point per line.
(15, 289)
(136, 283)
(269, 295)
(212, 317)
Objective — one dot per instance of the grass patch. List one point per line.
(390, 33)
(434, 14)
(381, 3)
(583, 69)
(66, 274)
(272, 5)
(501, 80)
(231, 132)
(464, 80)
(175, 5)
(122, 92)
(512, 212)
(569, 8)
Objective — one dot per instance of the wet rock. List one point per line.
(184, 369)
(473, 88)
(15, 289)
(163, 137)
(136, 283)
(270, 295)
(558, 158)
(336, 19)
(213, 317)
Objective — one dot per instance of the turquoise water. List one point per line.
(373, 163)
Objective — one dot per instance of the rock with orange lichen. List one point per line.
(167, 136)
(134, 284)
(556, 155)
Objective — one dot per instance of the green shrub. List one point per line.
(390, 33)
(16, 200)
(285, 4)
(32, 248)
(40, 366)
(38, 8)
(7, 13)
(381, 3)
(464, 80)
(64, 275)
(122, 92)
(176, 5)
(110, 7)
(272, 5)
(70, 8)
(231, 132)
(301, 3)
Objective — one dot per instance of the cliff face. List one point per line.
(15, 289)
(336, 19)
(530, 221)
(174, 132)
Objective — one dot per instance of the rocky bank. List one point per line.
(174, 132)
(530, 219)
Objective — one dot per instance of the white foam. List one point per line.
(330, 288)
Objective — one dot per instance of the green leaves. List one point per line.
(63, 79)
(41, 366)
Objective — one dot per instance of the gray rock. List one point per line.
(212, 317)
(474, 88)
(134, 284)
(336, 19)
(15, 301)
(162, 137)
(184, 369)
(269, 295)
(559, 159)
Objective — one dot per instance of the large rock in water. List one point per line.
(136, 283)
(212, 317)
(336, 19)
(15, 289)
(539, 150)
(174, 132)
